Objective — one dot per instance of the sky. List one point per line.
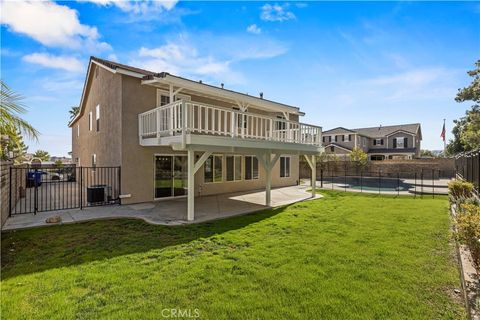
(349, 64)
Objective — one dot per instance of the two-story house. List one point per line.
(175, 137)
(380, 143)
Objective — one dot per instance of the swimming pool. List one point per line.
(369, 183)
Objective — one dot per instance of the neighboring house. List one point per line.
(380, 143)
(175, 137)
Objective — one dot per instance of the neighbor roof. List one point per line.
(380, 131)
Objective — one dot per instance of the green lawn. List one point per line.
(347, 256)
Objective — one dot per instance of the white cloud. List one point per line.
(193, 57)
(137, 7)
(253, 28)
(112, 57)
(67, 63)
(50, 24)
(276, 12)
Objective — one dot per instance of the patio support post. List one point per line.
(312, 163)
(192, 169)
(268, 187)
(191, 186)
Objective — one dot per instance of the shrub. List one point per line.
(460, 190)
(468, 226)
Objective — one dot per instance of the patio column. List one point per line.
(191, 186)
(192, 169)
(268, 163)
(312, 163)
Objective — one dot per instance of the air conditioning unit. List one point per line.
(99, 194)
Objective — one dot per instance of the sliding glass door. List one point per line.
(170, 176)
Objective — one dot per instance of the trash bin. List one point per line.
(96, 193)
(34, 177)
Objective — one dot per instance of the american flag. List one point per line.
(442, 135)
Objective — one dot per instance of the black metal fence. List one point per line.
(48, 188)
(425, 182)
(467, 166)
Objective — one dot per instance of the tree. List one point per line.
(58, 163)
(466, 132)
(42, 155)
(11, 107)
(74, 111)
(427, 153)
(359, 157)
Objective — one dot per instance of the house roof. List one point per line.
(384, 150)
(383, 131)
(150, 75)
(332, 144)
(339, 128)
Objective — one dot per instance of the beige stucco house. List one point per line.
(380, 143)
(175, 137)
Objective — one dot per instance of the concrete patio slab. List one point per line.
(171, 211)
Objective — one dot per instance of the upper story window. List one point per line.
(94, 160)
(97, 117)
(378, 142)
(329, 138)
(400, 143)
(284, 167)
(78, 130)
(347, 137)
(90, 121)
(163, 97)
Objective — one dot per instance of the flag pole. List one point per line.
(444, 139)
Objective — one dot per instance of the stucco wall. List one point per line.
(104, 90)
(138, 161)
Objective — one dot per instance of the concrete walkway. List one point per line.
(170, 212)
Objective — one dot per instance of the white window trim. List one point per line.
(97, 112)
(213, 169)
(78, 130)
(162, 92)
(241, 168)
(90, 121)
(289, 167)
(401, 139)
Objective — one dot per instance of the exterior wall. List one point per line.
(104, 90)
(18, 182)
(410, 143)
(138, 161)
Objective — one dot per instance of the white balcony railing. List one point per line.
(169, 120)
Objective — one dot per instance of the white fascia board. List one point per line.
(224, 93)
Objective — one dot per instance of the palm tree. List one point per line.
(74, 111)
(11, 107)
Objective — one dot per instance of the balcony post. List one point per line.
(170, 112)
(184, 115)
(157, 122)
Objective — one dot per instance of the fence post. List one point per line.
(119, 184)
(321, 178)
(81, 188)
(433, 183)
(35, 191)
(10, 192)
(331, 174)
(361, 181)
(379, 181)
(421, 179)
(345, 180)
(398, 183)
(415, 193)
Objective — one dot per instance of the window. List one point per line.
(78, 130)
(163, 97)
(234, 168)
(336, 138)
(251, 167)
(94, 160)
(280, 124)
(377, 142)
(90, 121)
(399, 143)
(332, 148)
(346, 137)
(284, 167)
(97, 117)
(323, 139)
(213, 169)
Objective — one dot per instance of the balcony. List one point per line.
(179, 121)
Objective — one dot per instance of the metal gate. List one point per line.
(46, 188)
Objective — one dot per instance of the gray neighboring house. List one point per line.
(383, 142)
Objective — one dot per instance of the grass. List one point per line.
(347, 256)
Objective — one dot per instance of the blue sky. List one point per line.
(350, 64)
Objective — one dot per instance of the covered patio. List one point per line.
(174, 211)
